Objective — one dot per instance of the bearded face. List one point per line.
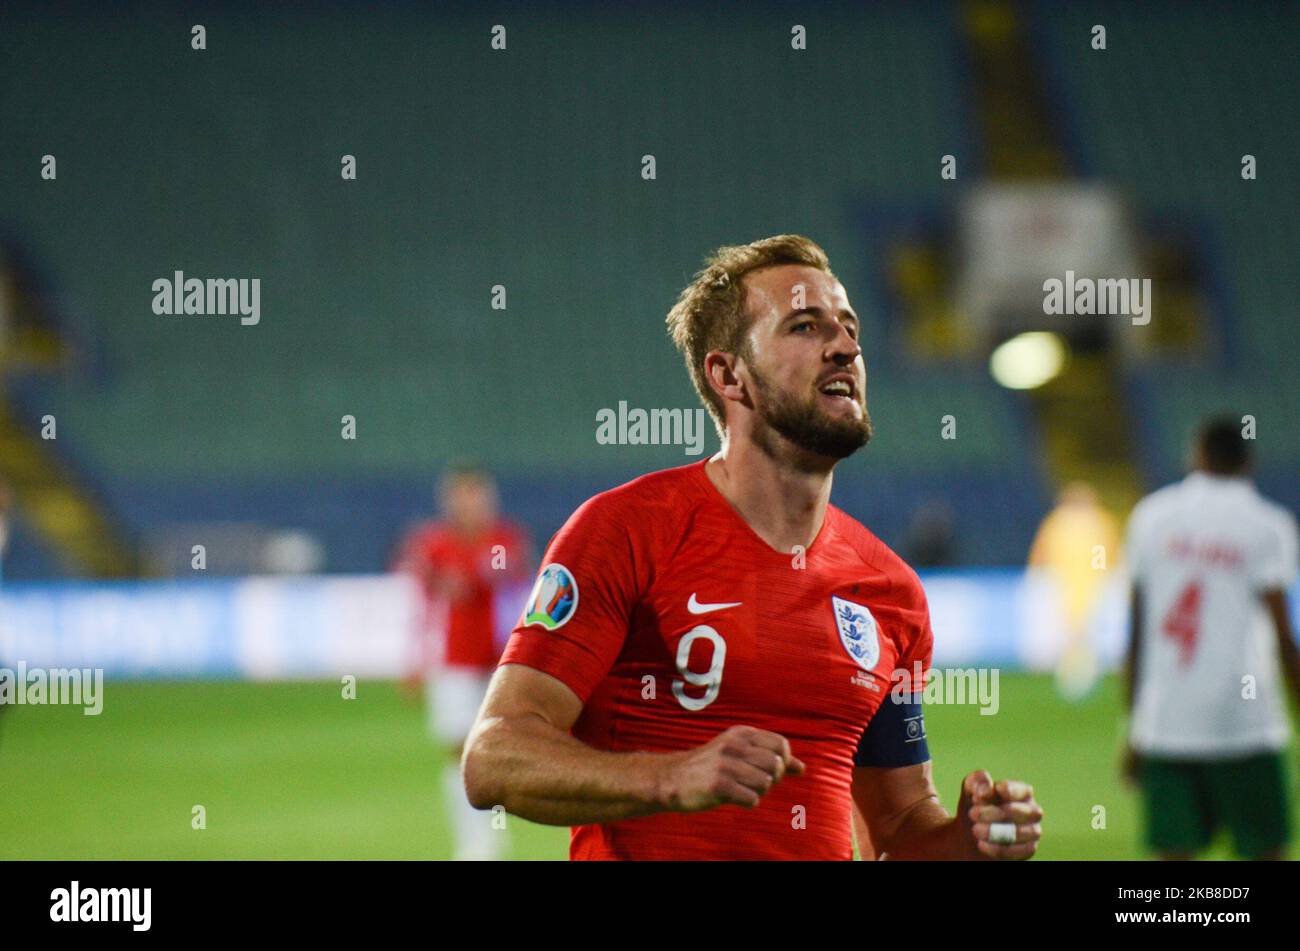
(828, 419)
(799, 367)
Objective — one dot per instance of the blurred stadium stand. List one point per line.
(1172, 152)
(473, 171)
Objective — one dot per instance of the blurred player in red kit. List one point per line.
(717, 663)
(464, 563)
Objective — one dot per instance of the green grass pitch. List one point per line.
(293, 771)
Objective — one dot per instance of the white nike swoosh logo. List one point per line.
(696, 608)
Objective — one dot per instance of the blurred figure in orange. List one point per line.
(1077, 544)
(460, 562)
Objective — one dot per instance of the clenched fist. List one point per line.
(1010, 804)
(736, 767)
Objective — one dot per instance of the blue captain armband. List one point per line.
(894, 737)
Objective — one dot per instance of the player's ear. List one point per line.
(720, 369)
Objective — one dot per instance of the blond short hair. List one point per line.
(710, 311)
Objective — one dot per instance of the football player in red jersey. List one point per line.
(707, 665)
(462, 563)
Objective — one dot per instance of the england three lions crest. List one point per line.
(858, 632)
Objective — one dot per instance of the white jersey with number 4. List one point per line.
(1201, 552)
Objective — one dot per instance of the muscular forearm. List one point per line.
(543, 774)
(928, 832)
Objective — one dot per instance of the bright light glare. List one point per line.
(1028, 360)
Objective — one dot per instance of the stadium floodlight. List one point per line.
(1028, 360)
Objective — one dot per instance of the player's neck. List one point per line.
(783, 503)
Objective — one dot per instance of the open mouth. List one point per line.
(840, 388)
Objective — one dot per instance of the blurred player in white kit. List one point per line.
(1210, 656)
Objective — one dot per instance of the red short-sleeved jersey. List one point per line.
(435, 552)
(672, 620)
